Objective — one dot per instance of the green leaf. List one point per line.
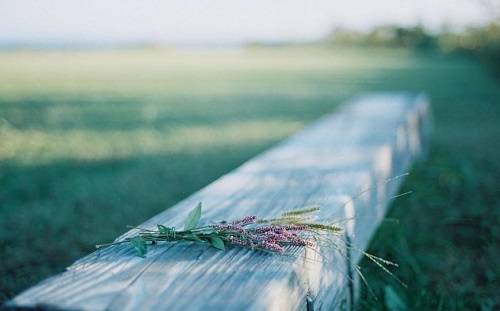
(392, 301)
(194, 237)
(164, 230)
(217, 242)
(193, 218)
(207, 231)
(140, 246)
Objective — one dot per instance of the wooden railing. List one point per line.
(349, 154)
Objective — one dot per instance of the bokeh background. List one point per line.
(112, 111)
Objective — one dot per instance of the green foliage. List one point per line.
(389, 36)
(217, 242)
(482, 42)
(193, 218)
(445, 240)
(166, 231)
(392, 300)
(140, 246)
(301, 211)
(193, 237)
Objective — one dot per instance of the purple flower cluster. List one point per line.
(281, 228)
(239, 241)
(281, 235)
(245, 233)
(245, 221)
(237, 225)
(274, 247)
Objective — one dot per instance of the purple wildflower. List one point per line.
(264, 229)
(298, 241)
(272, 247)
(294, 227)
(273, 237)
(239, 242)
(245, 221)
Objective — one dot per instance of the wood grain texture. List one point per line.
(366, 142)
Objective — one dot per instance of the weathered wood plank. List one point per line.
(366, 142)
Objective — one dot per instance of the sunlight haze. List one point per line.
(222, 21)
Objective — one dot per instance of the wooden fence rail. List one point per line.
(367, 141)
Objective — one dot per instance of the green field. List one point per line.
(93, 141)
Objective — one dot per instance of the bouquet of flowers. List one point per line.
(292, 228)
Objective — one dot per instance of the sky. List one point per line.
(220, 21)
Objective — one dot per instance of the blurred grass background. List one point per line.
(93, 141)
